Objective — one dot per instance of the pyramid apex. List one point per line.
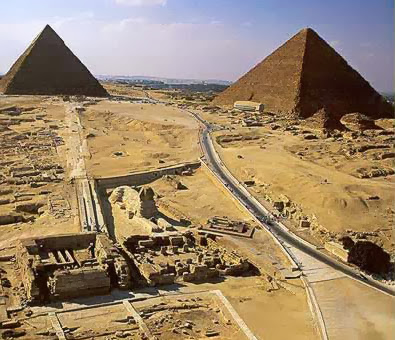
(48, 28)
(45, 61)
(315, 81)
(307, 30)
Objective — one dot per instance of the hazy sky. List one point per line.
(217, 39)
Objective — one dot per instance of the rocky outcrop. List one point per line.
(357, 122)
(370, 257)
(137, 203)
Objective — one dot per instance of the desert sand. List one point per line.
(127, 137)
(333, 178)
(136, 137)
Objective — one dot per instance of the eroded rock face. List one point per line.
(347, 242)
(137, 203)
(356, 122)
(147, 207)
(370, 257)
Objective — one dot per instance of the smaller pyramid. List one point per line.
(48, 67)
(307, 79)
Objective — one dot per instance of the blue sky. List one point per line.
(201, 39)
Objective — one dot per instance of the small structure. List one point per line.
(223, 225)
(248, 106)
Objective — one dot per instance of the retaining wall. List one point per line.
(142, 178)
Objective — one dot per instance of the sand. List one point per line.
(137, 137)
(318, 175)
(125, 137)
(275, 315)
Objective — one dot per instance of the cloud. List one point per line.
(176, 49)
(215, 22)
(141, 3)
(121, 26)
(335, 43)
(246, 24)
(58, 22)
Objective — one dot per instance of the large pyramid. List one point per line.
(306, 78)
(48, 67)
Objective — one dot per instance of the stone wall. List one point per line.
(143, 178)
(79, 282)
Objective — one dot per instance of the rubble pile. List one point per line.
(232, 138)
(369, 257)
(174, 182)
(28, 166)
(192, 316)
(357, 122)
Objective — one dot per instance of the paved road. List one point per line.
(278, 230)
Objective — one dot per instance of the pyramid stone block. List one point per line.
(307, 78)
(48, 67)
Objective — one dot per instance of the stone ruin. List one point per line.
(139, 204)
(68, 266)
(29, 164)
(165, 259)
(174, 182)
(357, 122)
(224, 225)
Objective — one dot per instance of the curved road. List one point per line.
(280, 232)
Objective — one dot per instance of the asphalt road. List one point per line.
(274, 228)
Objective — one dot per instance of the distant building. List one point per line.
(248, 106)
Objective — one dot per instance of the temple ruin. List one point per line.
(67, 266)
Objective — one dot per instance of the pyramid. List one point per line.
(307, 78)
(48, 67)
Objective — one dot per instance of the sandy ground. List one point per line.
(124, 90)
(264, 312)
(125, 137)
(370, 314)
(133, 137)
(280, 314)
(42, 114)
(334, 203)
(108, 319)
(166, 317)
(316, 175)
(203, 198)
